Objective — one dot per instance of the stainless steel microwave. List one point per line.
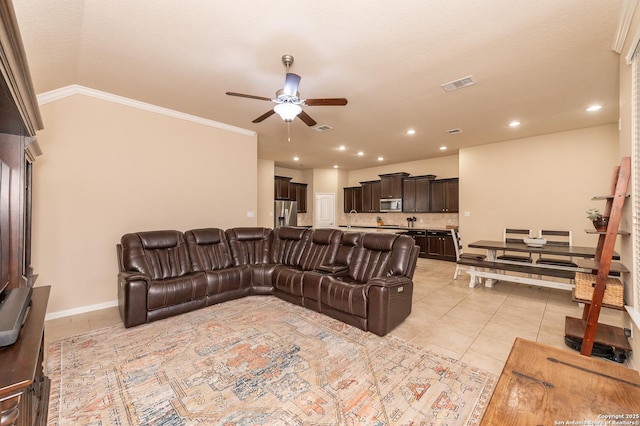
(391, 205)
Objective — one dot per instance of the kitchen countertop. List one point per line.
(396, 228)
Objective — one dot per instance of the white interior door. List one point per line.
(325, 209)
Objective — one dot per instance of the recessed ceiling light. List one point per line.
(443, 148)
(342, 147)
(411, 132)
(296, 158)
(514, 123)
(360, 153)
(593, 108)
(335, 166)
(380, 158)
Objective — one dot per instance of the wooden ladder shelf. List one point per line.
(588, 328)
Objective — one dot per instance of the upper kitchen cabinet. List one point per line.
(416, 194)
(391, 185)
(298, 193)
(353, 199)
(444, 195)
(371, 196)
(282, 187)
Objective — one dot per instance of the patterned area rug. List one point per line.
(257, 361)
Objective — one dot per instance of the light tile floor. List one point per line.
(476, 325)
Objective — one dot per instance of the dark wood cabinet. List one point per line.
(371, 196)
(24, 389)
(420, 237)
(281, 187)
(444, 195)
(416, 194)
(440, 246)
(298, 193)
(391, 185)
(353, 199)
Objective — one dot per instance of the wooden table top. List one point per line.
(577, 251)
(543, 385)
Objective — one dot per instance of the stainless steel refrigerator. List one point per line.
(285, 213)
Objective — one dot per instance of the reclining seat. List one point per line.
(156, 280)
(320, 248)
(375, 293)
(250, 247)
(311, 287)
(209, 251)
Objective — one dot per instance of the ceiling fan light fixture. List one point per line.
(287, 111)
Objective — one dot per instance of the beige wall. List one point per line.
(541, 182)
(265, 192)
(442, 167)
(109, 169)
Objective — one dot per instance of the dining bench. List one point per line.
(489, 270)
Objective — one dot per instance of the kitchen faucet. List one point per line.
(349, 217)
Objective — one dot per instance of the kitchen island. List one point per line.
(434, 243)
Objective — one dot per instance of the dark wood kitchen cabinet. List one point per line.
(281, 190)
(371, 196)
(353, 199)
(416, 194)
(298, 193)
(440, 246)
(420, 237)
(391, 185)
(444, 195)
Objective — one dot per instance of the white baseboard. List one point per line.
(81, 310)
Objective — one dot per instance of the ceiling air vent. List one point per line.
(458, 84)
(323, 128)
(454, 131)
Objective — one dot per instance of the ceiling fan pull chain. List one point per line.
(288, 131)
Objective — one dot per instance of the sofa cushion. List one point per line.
(208, 249)
(287, 245)
(175, 291)
(371, 258)
(322, 248)
(249, 246)
(157, 254)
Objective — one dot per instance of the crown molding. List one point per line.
(627, 10)
(74, 89)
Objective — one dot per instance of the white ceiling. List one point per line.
(540, 62)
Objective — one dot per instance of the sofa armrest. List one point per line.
(332, 268)
(392, 281)
(133, 288)
(390, 301)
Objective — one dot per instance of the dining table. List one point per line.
(493, 269)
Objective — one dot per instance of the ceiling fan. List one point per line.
(289, 104)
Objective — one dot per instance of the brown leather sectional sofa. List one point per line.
(362, 279)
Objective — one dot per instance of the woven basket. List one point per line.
(613, 293)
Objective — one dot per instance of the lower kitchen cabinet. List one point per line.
(420, 237)
(440, 246)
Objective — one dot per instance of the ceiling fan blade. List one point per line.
(264, 116)
(242, 95)
(307, 120)
(291, 83)
(325, 101)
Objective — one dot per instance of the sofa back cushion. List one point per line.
(249, 246)
(287, 245)
(158, 254)
(371, 257)
(348, 244)
(208, 249)
(403, 256)
(322, 248)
